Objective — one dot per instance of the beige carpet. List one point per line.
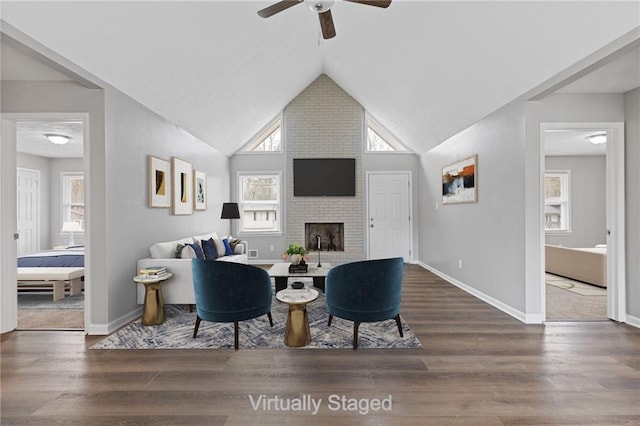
(38, 311)
(569, 300)
(51, 319)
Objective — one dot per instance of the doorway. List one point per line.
(49, 202)
(582, 228)
(389, 215)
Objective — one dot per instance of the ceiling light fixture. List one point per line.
(57, 139)
(598, 138)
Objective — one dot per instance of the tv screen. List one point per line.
(324, 177)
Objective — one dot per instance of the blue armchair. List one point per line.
(230, 292)
(365, 291)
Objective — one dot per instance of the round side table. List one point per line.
(153, 308)
(297, 332)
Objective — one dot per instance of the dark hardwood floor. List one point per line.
(478, 367)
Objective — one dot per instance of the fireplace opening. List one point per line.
(331, 236)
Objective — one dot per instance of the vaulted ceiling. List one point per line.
(426, 70)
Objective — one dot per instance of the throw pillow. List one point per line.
(184, 251)
(197, 249)
(209, 249)
(219, 246)
(228, 251)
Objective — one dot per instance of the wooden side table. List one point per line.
(297, 332)
(153, 308)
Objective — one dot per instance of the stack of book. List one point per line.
(153, 271)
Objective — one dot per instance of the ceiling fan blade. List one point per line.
(278, 7)
(380, 3)
(326, 23)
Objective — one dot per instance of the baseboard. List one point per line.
(633, 321)
(520, 316)
(105, 329)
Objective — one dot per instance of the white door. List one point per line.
(28, 206)
(389, 220)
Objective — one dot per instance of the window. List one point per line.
(73, 198)
(557, 206)
(268, 140)
(259, 204)
(380, 140)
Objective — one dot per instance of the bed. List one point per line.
(56, 269)
(583, 264)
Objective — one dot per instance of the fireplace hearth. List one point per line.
(331, 236)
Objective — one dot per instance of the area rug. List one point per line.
(177, 331)
(578, 287)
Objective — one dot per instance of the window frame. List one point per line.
(65, 199)
(564, 201)
(385, 135)
(259, 137)
(278, 202)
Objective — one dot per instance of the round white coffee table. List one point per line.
(297, 333)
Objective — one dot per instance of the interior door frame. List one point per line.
(409, 208)
(8, 214)
(39, 200)
(615, 212)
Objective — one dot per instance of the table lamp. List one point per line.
(230, 211)
(71, 227)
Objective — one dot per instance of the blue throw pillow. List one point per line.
(228, 251)
(197, 249)
(209, 248)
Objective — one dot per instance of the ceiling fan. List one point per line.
(322, 8)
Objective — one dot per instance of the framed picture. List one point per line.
(182, 186)
(200, 190)
(159, 182)
(460, 182)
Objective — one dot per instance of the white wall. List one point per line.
(487, 236)
(132, 133)
(632, 199)
(588, 202)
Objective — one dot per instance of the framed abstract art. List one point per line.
(182, 186)
(159, 182)
(200, 190)
(459, 181)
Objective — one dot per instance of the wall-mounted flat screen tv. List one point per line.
(324, 177)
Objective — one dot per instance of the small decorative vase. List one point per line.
(295, 258)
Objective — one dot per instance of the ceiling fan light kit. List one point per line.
(322, 8)
(319, 6)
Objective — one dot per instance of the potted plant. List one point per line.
(296, 253)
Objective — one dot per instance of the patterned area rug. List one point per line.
(177, 331)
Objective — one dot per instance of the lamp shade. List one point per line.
(230, 211)
(72, 226)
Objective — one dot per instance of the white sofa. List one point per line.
(179, 289)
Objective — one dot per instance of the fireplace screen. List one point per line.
(330, 236)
